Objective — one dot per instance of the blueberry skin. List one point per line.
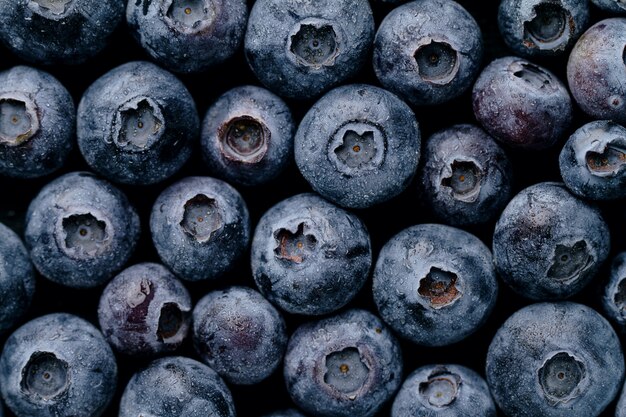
(80, 230)
(17, 279)
(176, 386)
(434, 284)
(200, 226)
(285, 413)
(592, 161)
(347, 365)
(145, 311)
(38, 120)
(278, 50)
(412, 36)
(443, 391)
(548, 244)
(185, 42)
(555, 360)
(57, 365)
(247, 136)
(58, 32)
(358, 146)
(465, 176)
(239, 334)
(620, 409)
(611, 6)
(155, 105)
(596, 70)
(614, 298)
(309, 256)
(521, 104)
(540, 28)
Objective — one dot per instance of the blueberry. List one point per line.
(614, 299)
(200, 226)
(136, 124)
(620, 410)
(285, 413)
(176, 386)
(239, 334)
(611, 6)
(57, 365)
(344, 365)
(145, 310)
(593, 159)
(302, 48)
(17, 279)
(434, 284)
(555, 360)
(247, 136)
(310, 256)
(428, 51)
(358, 146)
(548, 244)
(80, 230)
(542, 27)
(58, 31)
(444, 391)
(37, 122)
(596, 70)
(188, 35)
(521, 104)
(465, 175)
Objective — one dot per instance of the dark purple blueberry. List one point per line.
(614, 299)
(596, 70)
(358, 146)
(542, 27)
(521, 104)
(444, 391)
(247, 136)
(428, 51)
(555, 360)
(549, 244)
(176, 386)
(17, 279)
(310, 256)
(145, 310)
(239, 334)
(37, 123)
(57, 365)
(301, 48)
(188, 35)
(434, 284)
(80, 230)
(346, 365)
(200, 226)
(465, 176)
(136, 124)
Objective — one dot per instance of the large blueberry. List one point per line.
(247, 136)
(145, 310)
(58, 31)
(37, 123)
(188, 35)
(310, 256)
(136, 124)
(200, 226)
(434, 284)
(465, 175)
(444, 391)
(358, 146)
(17, 279)
(614, 299)
(80, 230)
(428, 51)
(346, 365)
(548, 244)
(176, 386)
(57, 365)
(555, 360)
(302, 48)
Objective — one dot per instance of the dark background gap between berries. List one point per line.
(383, 221)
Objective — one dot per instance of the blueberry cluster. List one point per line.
(323, 208)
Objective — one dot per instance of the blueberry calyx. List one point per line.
(534, 76)
(464, 180)
(19, 120)
(314, 43)
(439, 288)
(45, 376)
(570, 262)
(295, 246)
(56, 8)
(561, 378)
(357, 146)
(607, 162)
(202, 218)
(244, 139)
(441, 389)
(139, 123)
(345, 371)
(84, 235)
(189, 16)
(550, 27)
(437, 62)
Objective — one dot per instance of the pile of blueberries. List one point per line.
(332, 208)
